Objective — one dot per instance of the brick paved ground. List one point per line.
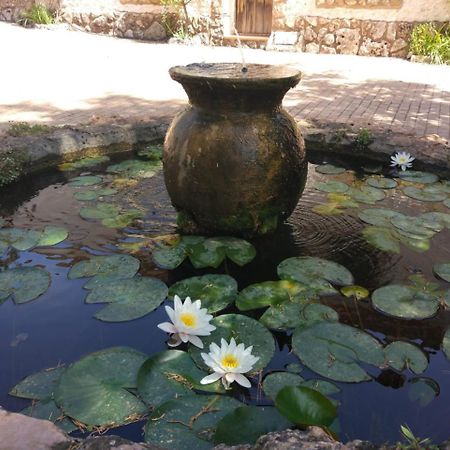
(62, 77)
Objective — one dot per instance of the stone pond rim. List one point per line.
(234, 159)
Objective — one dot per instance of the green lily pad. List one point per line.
(209, 253)
(382, 238)
(48, 410)
(307, 268)
(323, 386)
(83, 163)
(415, 176)
(237, 250)
(171, 374)
(366, 194)
(446, 344)
(342, 200)
(380, 182)
(123, 219)
(19, 239)
(120, 266)
(152, 152)
(169, 258)
(424, 195)
(87, 180)
(134, 168)
(246, 424)
(294, 367)
(435, 220)
(39, 386)
(215, 291)
(52, 236)
(405, 302)
(243, 329)
(305, 406)
(354, 291)
(284, 316)
(423, 390)
(188, 422)
(24, 284)
(403, 355)
(442, 271)
(275, 381)
(128, 299)
(101, 211)
(334, 350)
(95, 389)
(380, 217)
(413, 226)
(94, 195)
(329, 169)
(331, 186)
(328, 209)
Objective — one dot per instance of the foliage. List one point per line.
(11, 167)
(25, 129)
(414, 442)
(363, 139)
(431, 41)
(176, 19)
(38, 14)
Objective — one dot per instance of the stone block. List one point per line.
(140, 2)
(310, 35)
(371, 48)
(329, 39)
(399, 48)
(391, 31)
(348, 41)
(312, 48)
(285, 37)
(327, 50)
(155, 32)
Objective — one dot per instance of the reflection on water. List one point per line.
(58, 328)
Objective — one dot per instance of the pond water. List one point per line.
(58, 328)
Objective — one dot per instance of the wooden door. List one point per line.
(254, 17)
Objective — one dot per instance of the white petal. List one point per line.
(210, 378)
(230, 377)
(198, 305)
(196, 341)
(167, 327)
(214, 348)
(225, 383)
(177, 302)
(171, 313)
(187, 301)
(243, 381)
(184, 337)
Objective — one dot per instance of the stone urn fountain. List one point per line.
(234, 160)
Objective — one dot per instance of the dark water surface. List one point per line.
(58, 328)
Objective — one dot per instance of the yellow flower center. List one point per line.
(188, 319)
(229, 361)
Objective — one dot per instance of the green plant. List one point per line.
(432, 42)
(24, 129)
(414, 443)
(176, 19)
(363, 139)
(11, 166)
(38, 14)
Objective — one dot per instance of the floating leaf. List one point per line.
(442, 271)
(246, 424)
(209, 253)
(101, 211)
(95, 389)
(19, 239)
(334, 350)
(215, 291)
(323, 386)
(86, 196)
(52, 236)
(329, 169)
(275, 381)
(415, 176)
(446, 344)
(39, 386)
(328, 209)
(355, 291)
(294, 367)
(24, 284)
(307, 268)
(128, 299)
(87, 180)
(380, 217)
(424, 195)
(423, 390)
(382, 238)
(171, 374)
(83, 163)
(188, 422)
(123, 219)
(305, 406)
(405, 302)
(237, 250)
(380, 182)
(120, 266)
(403, 355)
(332, 186)
(366, 194)
(152, 152)
(412, 226)
(169, 258)
(243, 329)
(435, 220)
(342, 200)
(284, 316)
(134, 168)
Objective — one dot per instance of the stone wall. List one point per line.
(12, 10)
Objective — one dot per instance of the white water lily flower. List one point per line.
(189, 322)
(229, 362)
(402, 159)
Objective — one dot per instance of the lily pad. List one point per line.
(357, 292)
(306, 268)
(442, 271)
(382, 238)
(415, 176)
(403, 355)
(284, 316)
(52, 236)
(134, 168)
(215, 291)
(305, 406)
(188, 422)
(39, 386)
(94, 195)
(128, 299)
(246, 424)
(335, 351)
(87, 180)
(380, 182)
(209, 253)
(405, 302)
(171, 374)
(423, 390)
(83, 163)
(19, 239)
(366, 194)
(237, 250)
(332, 186)
(380, 217)
(275, 381)
(95, 389)
(446, 344)
(329, 169)
(152, 152)
(243, 329)
(120, 266)
(342, 200)
(328, 209)
(24, 284)
(435, 220)
(125, 218)
(323, 386)
(412, 226)
(424, 194)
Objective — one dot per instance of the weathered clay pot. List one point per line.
(234, 160)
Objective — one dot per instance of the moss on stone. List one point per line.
(25, 129)
(11, 166)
